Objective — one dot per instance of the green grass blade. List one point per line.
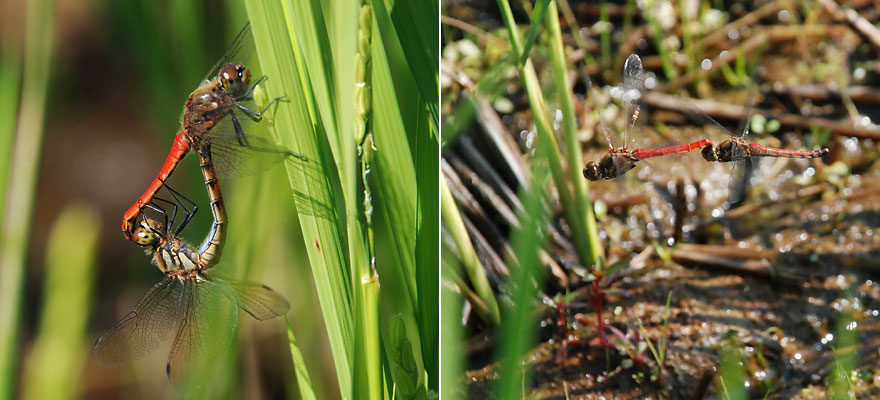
(582, 203)
(59, 352)
(469, 259)
(427, 161)
(324, 64)
(547, 139)
(452, 337)
(420, 49)
(303, 380)
(315, 183)
(10, 84)
(537, 17)
(517, 330)
(16, 228)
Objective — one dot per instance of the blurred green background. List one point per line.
(95, 90)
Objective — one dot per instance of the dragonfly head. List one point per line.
(591, 171)
(147, 233)
(235, 79)
(710, 152)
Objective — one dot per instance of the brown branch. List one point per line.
(737, 112)
(858, 94)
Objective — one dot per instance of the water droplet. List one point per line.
(706, 64)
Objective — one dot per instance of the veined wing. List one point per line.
(241, 51)
(144, 328)
(633, 85)
(606, 132)
(206, 331)
(260, 301)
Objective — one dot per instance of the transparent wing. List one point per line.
(206, 331)
(606, 132)
(739, 177)
(633, 85)
(248, 153)
(144, 328)
(241, 51)
(260, 301)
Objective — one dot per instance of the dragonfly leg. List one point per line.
(257, 116)
(180, 199)
(242, 139)
(157, 208)
(239, 133)
(247, 95)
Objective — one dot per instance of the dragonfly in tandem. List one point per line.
(202, 305)
(734, 148)
(619, 160)
(737, 150)
(220, 110)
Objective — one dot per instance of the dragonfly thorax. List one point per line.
(724, 151)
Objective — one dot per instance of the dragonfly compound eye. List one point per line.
(146, 232)
(591, 171)
(709, 153)
(244, 74)
(234, 78)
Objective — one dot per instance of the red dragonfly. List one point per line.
(619, 160)
(220, 110)
(201, 305)
(738, 150)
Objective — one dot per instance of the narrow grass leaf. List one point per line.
(517, 331)
(303, 380)
(16, 229)
(537, 17)
(59, 353)
(394, 170)
(452, 219)
(10, 84)
(315, 182)
(419, 44)
(427, 159)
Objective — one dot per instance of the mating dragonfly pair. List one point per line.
(734, 148)
(221, 125)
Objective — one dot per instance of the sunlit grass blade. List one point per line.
(490, 313)
(572, 146)
(313, 36)
(517, 330)
(16, 229)
(547, 139)
(396, 106)
(537, 18)
(410, 19)
(300, 129)
(59, 352)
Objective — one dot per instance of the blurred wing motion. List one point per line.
(144, 328)
(206, 331)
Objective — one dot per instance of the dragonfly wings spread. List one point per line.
(206, 331)
(144, 328)
(260, 301)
